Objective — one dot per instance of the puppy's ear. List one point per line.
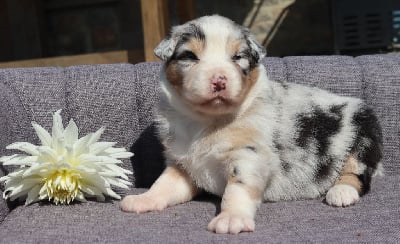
(166, 48)
(258, 52)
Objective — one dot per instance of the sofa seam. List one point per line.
(363, 82)
(18, 95)
(67, 87)
(286, 68)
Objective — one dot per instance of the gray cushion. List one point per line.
(374, 219)
(381, 90)
(339, 74)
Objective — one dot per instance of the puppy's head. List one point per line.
(211, 63)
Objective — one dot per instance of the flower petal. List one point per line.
(71, 133)
(122, 155)
(111, 193)
(31, 170)
(116, 168)
(22, 160)
(93, 191)
(25, 147)
(115, 150)
(21, 189)
(81, 145)
(81, 197)
(96, 136)
(58, 128)
(47, 154)
(43, 193)
(118, 182)
(43, 135)
(33, 195)
(93, 159)
(99, 147)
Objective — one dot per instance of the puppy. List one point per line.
(229, 130)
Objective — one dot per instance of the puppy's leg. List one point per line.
(238, 208)
(173, 186)
(243, 195)
(347, 189)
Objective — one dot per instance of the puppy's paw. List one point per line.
(142, 203)
(342, 195)
(227, 223)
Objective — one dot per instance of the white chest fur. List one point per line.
(199, 154)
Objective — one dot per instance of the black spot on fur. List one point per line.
(368, 143)
(251, 148)
(251, 53)
(284, 84)
(276, 137)
(324, 169)
(197, 32)
(319, 126)
(239, 181)
(235, 175)
(191, 31)
(235, 171)
(286, 167)
(187, 55)
(337, 109)
(251, 56)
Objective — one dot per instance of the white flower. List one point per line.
(65, 168)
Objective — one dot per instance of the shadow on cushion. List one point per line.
(148, 162)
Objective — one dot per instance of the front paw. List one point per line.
(142, 203)
(227, 223)
(342, 196)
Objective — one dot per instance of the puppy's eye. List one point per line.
(187, 55)
(236, 57)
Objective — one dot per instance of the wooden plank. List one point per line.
(155, 25)
(185, 10)
(6, 45)
(124, 56)
(25, 34)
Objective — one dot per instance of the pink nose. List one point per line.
(218, 83)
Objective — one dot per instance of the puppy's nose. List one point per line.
(218, 83)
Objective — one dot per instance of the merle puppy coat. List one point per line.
(229, 130)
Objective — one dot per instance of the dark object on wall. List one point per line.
(361, 25)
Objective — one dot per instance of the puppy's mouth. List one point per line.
(217, 105)
(217, 101)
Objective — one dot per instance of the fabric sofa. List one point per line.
(122, 97)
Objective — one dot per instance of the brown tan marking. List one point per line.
(241, 137)
(234, 46)
(174, 186)
(248, 82)
(349, 175)
(173, 71)
(254, 192)
(174, 75)
(196, 46)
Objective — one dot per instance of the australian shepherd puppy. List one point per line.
(229, 130)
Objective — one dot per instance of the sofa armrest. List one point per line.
(26, 95)
(9, 108)
(14, 121)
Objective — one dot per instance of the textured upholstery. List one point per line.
(122, 98)
(381, 90)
